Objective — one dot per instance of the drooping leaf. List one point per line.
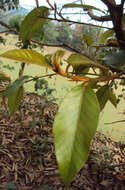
(85, 7)
(74, 127)
(4, 76)
(14, 99)
(77, 60)
(112, 98)
(12, 88)
(87, 39)
(116, 59)
(81, 70)
(58, 55)
(104, 36)
(32, 23)
(28, 56)
(103, 96)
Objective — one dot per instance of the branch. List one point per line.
(7, 26)
(52, 7)
(5, 31)
(63, 45)
(122, 3)
(75, 22)
(114, 122)
(99, 18)
(109, 2)
(36, 78)
(37, 4)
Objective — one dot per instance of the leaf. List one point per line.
(15, 99)
(85, 7)
(105, 35)
(81, 70)
(4, 76)
(32, 23)
(74, 127)
(28, 56)
(77, 60)
(58, 55)
(112, 98)
(87, 39)
(103, 96)
(116, 59)
(12, 88)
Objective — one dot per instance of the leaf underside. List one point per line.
(74, 127)
(32, 23)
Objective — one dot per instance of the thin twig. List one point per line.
(37, 5)
(63, 45)
(86, 74)
(43, 76)
(75, 22)
(52, 7)
(120, 121)
(5, 31)
(7, 26)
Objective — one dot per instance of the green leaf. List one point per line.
(104, 36)
(116, 59)
(112, 98)
(74, 127)
(103, 96)
(28, 56)
(87, 39)
(85, 7)
(4, 76)
(81, 70)
(32, 23)
(12, 88)
(15, 99)
(76, 60)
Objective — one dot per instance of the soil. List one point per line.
(27, 159)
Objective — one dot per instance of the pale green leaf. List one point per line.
(87, 39)
(14, 99)
(12, 88)
(105, 35)
(28, 56)
(32, 23)
(74, 127)
(85, 7)
(77, 60)
(103, 96)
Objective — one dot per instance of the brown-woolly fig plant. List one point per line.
(95, 69)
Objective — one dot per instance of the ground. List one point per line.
(27, 159)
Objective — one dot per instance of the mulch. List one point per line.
(27, 159)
